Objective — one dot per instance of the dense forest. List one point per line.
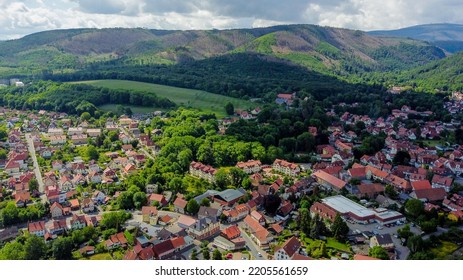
(74, 98)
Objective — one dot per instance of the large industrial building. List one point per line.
(354, 211)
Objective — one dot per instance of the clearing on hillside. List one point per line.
(205, 101)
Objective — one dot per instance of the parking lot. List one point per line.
(374, 228)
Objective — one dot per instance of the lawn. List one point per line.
(102, 256)
(433, 143)
(135, 109)
(444, 250)
(205, 101)
(333, 243)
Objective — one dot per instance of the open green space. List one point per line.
(202, 100)
(135, 109)
(444, 250)
(333, 243)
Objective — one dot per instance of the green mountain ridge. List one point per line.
(334, 51)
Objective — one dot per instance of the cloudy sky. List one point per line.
(19, 18)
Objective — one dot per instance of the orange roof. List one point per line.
(421, 185)
(291, 246)
(376, 172)
(330, 179)
(231, 232)
(149, 210)
(358, 257)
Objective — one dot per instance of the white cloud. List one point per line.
(20, 18)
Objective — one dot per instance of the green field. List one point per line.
(202, 100)
(444, 250)
(333, 243)
(135, 109)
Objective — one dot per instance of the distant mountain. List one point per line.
(333, 51)
(445, 35)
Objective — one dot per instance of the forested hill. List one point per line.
(445, 75)
(327, 50)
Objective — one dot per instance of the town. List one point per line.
(74, 182)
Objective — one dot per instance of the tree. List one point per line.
(229, 108)
(114, 220)
(317, 249)
(288, 144)
(271, 203)
(378, 252)
(35, 248)
(205, 202)
(389, 190)
(429, 226)
(92, 153)
(339, 228)
(221, 178)
(12, 251)
(216, 255)
(192, 207)
(85, 116)
(304, 220)
(194, 254)
(402, 157)
(206, 254)
(415, 243)
(62, 248)
(414, 207)
(33, 185)
(236, 176)
(305, 142)
(404, 232)
(139, 200)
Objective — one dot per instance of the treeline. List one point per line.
(74, 98)
(237, 75)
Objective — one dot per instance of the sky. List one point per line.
(20, 18)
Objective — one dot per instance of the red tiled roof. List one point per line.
(358, 257)
(291, 246)
(335, 182)
(231, 232)
(180, 203)
(421, 185)
(436, 194)
(324, 211)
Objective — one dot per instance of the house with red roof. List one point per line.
(421, 185)
(231, 232)
(444, 182)
(149, 215)
(287, 250)
(250, 167)
(203, 171)
(37, 228)
(180, 204)
(260, 235)
(286, 167)
(328, 181)
(429, 195)
(115, 241)
(323, 211)
(157, 197)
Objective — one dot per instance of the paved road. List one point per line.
(141, 147)
(253, 248)
(38, 174)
